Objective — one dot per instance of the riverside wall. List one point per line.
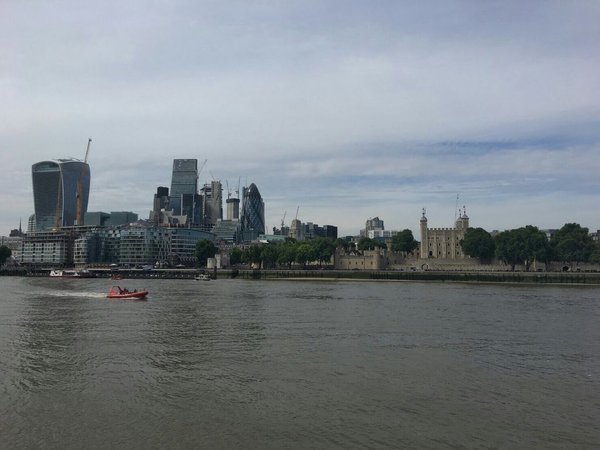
(464, 276)
(568, 278)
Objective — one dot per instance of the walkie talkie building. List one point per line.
(61, 191)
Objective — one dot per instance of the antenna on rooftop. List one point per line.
(456, 208)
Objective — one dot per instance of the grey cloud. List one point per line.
(359, 101)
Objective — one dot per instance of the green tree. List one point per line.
(508, 248)
(366, 243)
(323, 248)
(287, 254)
(268, 255)
(235, 256)
(404, 241)
(523, 245)
(478, 243)
(537, 247)
(572, 243)
(342, 243)
(252, 255)
(595, 256)
(205, 249)
(305, 253)
(5, 253)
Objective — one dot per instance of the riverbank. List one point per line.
(568, 278)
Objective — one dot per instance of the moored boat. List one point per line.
(202, 277)
(119, 292)
(71, 273)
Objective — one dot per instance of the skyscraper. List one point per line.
(184, 198)
(212, 195)
(61, 191)
(253, 213)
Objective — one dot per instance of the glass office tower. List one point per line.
(184, 189)
(61, 191)
(253, 213)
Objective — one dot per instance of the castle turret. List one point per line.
(462, 223)
(423, 224)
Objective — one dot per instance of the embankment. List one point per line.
(570, 278)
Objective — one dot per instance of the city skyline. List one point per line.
(347, 110)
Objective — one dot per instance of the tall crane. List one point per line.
(87, 150)
(79, 195)
(228, 191)
(202, 167)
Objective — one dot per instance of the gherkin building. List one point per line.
(253, 213)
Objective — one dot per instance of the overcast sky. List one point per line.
(345, 109)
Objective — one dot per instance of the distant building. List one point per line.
(381, 235)
(227, 232)
(60, 193)
(121, 218)
(31, 224)
(233, 208)
(373, 224)
(160, 205)
(375, 229)
(48, 248)
(212, 203)
(443, 243)
(140, 243)
(17, 232)
(302, 231)
(296, 230)
(97, 219)
(253, 213)
(14, 243)
(184, 199)
(115, 218)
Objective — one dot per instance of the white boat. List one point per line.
(66, 273)
(202, 277)
(71, 273)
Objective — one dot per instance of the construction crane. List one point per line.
(283, 220)
(87, 150)
(79, 195)
(202, 167)
(297, 209)
(228, 191)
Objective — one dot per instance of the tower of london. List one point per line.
(443, 243)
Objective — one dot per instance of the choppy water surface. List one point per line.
(284, 364)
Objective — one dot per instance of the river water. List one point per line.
(298, 364)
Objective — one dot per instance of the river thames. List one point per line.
(298, 364)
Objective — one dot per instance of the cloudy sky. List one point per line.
(345, 109)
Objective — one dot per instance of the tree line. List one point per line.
(521, 246)
(526, 245)
(290, 251)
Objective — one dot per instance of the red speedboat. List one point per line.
(118, 292)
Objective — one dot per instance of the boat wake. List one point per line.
(77, 294)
